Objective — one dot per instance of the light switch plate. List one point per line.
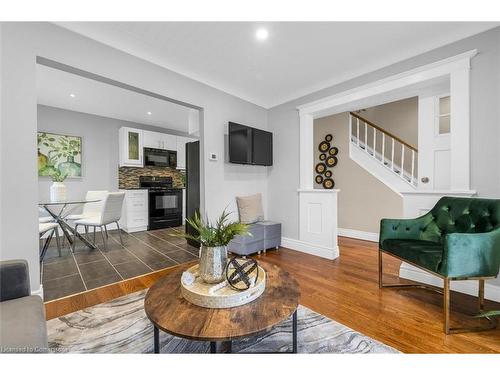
(213, 156)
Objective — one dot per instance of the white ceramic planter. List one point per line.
(57, 192)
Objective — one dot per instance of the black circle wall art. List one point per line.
(324, 146)
(328, 159)
(331, 161)
(320, 168)
(333, 151)
(328, 183)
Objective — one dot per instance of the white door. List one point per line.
(434, 133)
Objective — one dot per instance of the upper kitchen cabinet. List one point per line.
(131, 144)
(160, 140)
(181, 151)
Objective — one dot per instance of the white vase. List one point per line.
(57, 192)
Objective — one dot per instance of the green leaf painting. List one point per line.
(59, 155)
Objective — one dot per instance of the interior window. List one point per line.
(444, 115)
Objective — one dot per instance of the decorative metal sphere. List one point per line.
(239, 273)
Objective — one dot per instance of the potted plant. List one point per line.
(213, 239)
(57, 189)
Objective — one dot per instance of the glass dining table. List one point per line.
(59, 212)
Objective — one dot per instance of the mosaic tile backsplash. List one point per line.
(128, 177)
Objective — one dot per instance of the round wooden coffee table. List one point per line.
(171, 313)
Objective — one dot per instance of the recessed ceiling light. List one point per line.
(149, 113)
(261, 34)
(72, 95)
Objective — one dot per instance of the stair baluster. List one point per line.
(396, 166)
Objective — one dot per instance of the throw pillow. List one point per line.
(250, 208)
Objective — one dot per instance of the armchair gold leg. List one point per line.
(446, 305)
(492, 322)
(480, 299)
(401, 286)
(380, 269)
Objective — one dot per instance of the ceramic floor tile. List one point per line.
(132, 269)
(62, 287)
(101, 281)
(96, 270)
(182, 256)
(62, 268)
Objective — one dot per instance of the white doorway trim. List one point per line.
(455, 68)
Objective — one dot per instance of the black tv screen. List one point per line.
(249, 145)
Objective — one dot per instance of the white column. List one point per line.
(460, 130)
(318, 222)
(306, 151)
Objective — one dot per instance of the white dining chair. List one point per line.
(52, 229)
(110, 214)
(44, 219)
(90, 209)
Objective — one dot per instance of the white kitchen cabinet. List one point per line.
(130, 147)
(135, 213)
(181, 151)
(151, 139)
(169, 142)
(159, 140)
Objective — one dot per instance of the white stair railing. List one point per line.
(396, 163)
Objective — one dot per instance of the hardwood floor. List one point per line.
(346, 290)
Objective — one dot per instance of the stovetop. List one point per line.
(156, 183)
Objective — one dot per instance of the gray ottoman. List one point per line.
(246, 245)
(272, 234)
(264, 235)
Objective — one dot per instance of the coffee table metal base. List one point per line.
(227, 346)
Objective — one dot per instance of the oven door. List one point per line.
(155, 157)
(165, 209)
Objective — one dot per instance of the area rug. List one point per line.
(121, 326)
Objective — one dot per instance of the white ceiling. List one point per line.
(54, 88)
(298, 57)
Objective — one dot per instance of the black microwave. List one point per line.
(160, 158)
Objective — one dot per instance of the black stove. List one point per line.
(165, 202)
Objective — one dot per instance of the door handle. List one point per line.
(425, 180)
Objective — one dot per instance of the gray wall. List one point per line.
(99, 148)
(20, 44)
(485, 135)
(363, 199)
(399, 118)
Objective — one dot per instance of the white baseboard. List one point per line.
(38, 292)
(491, 292)
(358, 234)
(305, 247)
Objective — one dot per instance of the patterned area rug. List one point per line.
(121, 326)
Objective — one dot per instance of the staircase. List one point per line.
(384, 155)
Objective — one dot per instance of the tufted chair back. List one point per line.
(461, 215)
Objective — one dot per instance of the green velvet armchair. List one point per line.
(459, 239)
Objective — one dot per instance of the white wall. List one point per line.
(100, 156)
(485, 98)
(21, 43)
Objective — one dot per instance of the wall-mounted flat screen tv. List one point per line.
(250, 145)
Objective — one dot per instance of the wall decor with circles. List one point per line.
(328, 159)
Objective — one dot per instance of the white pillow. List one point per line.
(250, 208)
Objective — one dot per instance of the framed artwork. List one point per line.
(59, 152)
